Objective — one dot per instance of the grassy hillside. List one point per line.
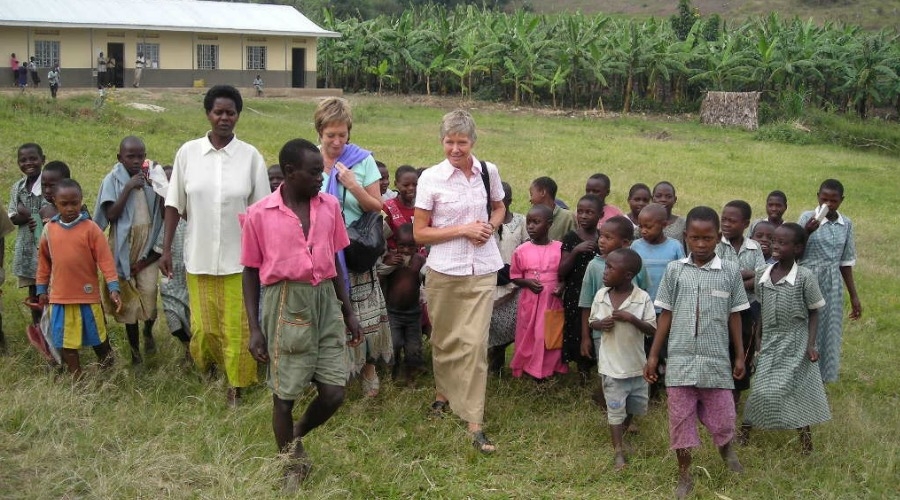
(870, 14)
(160, 431)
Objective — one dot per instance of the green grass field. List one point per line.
(162, 432)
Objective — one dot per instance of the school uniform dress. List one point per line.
(829, 248)
(211, 187)
(69, 257)
(302, 317)
(788, 392)
(539, 262)
(25, 250)
(675, 229)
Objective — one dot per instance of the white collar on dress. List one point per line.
(790, 278)
(715, 263)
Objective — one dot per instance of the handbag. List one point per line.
(554, 319)
(366, 240)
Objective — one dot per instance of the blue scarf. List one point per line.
(350, 157)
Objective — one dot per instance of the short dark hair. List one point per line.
(630, 258)
(623, 226)
(31, 145)
(637, 187)
(704, 214)
(546, 211)
(294, 153)
(832, 185)
(404, 169)
(546, 184)
(224, 92)
(664, 183)
(778, 194)
(59, 167)
(603, 178)
(405, 228)
(743, 206)
(764, 222)
(798, 230)
(69, 183)
(598, 203)
(380, 164)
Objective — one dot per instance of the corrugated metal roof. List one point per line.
(161, 15)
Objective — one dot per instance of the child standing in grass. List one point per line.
(788, 392)
(306, 308)
(747, 254)
(53, 172)
(831, 254)
(599, 185)
(71, 250)
(624, 314)
(535, 267)
(133, 211)
(543, 192)
(25, 202)
(401, 280)
(578, 249)
(776, 206)
(701, 297)
(664, 194)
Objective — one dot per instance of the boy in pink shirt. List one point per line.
(288, 244)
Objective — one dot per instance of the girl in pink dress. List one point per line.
(534, 268)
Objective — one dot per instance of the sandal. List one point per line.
(438, 409)
(370, 386)
(482, 443)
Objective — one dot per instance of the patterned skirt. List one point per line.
(368, 304)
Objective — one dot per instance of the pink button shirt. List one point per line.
(609, 211)
(272, 240)
(453, 200)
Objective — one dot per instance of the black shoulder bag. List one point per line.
(503, 274)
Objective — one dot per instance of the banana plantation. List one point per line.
(611, 63)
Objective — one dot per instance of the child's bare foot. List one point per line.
(685, 485)
(620, 461)
(730, 457)
(633, 428)
(136, 358)
(371, 386)
(233, 397)
(295, 473)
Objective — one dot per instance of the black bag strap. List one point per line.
(486, 179)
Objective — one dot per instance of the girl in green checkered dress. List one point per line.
(788, 392)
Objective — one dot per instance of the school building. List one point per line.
(184, 42)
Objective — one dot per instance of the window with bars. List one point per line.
(256, 57)
(151, 54)
(207, 56)
(46, 53)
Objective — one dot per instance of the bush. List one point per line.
(819, 127)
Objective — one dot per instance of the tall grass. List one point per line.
(160, 431)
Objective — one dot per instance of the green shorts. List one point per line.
(306, 337)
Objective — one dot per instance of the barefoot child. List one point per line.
(306, 310)
(776, 206)
(25, 202)
(132, 210)
(599, 185)
(664, 194)
(578, 249)
(543, 192)
(701, 297)
(534, 268)
(830, 254)
(401, 280)
(71, 250)
(173, 290)
(763, 234)
(788, 392)
(747, 254)
(624, 314)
